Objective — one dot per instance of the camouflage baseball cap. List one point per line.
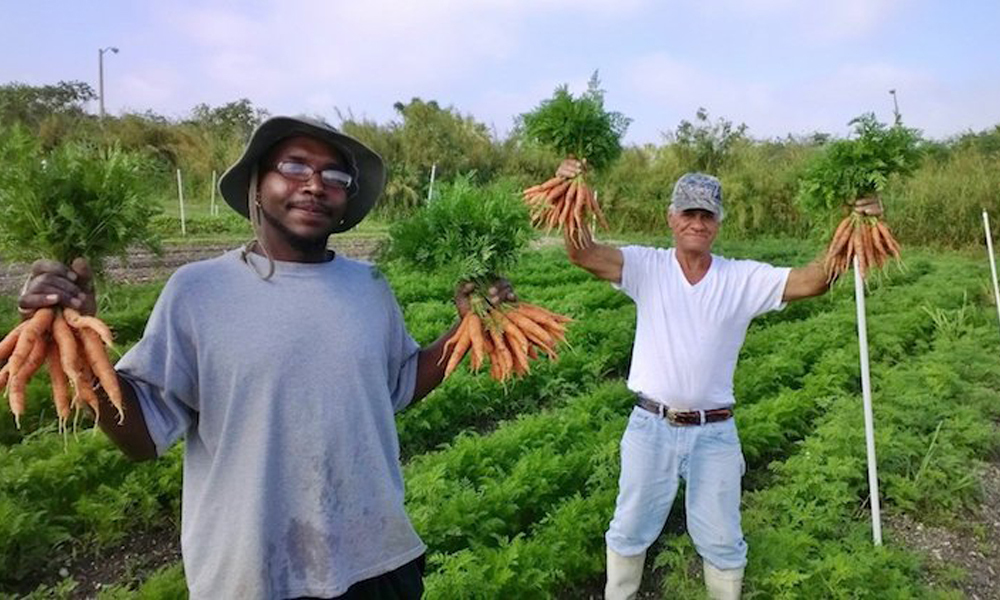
(697, 191)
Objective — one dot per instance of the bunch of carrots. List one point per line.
(73, 347)
(509, 336)
(564, 204)
(868, 238)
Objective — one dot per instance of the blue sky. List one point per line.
(780, 66)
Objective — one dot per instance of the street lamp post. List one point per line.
(895, 105)
(100, 74)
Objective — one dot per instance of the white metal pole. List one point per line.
(593, 220)
(430, 188)
(993, 262)
(212, 210)
(100, 80)
(866, 392)
(180, 200)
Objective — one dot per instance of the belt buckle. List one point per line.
(671, 416)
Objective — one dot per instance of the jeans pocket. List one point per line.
(640, 419)
(724, 431)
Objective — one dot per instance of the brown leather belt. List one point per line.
(684, 417)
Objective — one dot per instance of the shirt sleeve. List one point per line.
(638, 262)
(162, 369)
(403, 353)
(764, 287)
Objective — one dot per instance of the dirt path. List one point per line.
(143, 266)
(973, 547)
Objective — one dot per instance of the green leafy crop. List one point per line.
(860, 167)
(74, 201)
(472, 232)
(578, 127)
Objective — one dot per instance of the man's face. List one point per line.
(300, 213)
(694, 230)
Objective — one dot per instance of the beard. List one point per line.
(298, 242)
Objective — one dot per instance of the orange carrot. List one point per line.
(859, 250)
(546, 321)
(60, 385)
(18, 381)
(476, 338)
(887, 236)
(452, 341)
(518, 352)
(513, 332)
(69, 350)
(557, 191)
(534, 332)
(458, 352)
(78, 321)
(10, 340)
(592, 199)
(533, 309)
(547, 185)
(840, 236)
(879, 244)
(495, 368)
(101, 367)
(34, 329)
(85, 395)
(506, 361)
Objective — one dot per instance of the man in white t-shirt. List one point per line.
(692, 313)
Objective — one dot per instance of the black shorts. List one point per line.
(403, 583)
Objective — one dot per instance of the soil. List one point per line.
(143, 266)
(966, 556)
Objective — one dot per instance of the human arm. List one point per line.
(53, 284)
(601, 260)
(812, 280)
(430, 363)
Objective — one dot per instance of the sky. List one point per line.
(779, 66)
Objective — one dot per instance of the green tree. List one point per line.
(30, 105)
(432, 135)
(706, 146)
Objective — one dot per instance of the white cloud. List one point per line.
(140, 90)
(822, 22)
(386, 44)
(783, 66)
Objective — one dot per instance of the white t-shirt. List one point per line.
(688, 337)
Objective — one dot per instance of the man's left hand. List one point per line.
(871, 207)
(499, 291)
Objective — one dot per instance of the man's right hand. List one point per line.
(52, 283)
(570, 168)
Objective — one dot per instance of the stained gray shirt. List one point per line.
(285, 391)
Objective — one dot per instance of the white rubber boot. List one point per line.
(624, 575)
(723, 584)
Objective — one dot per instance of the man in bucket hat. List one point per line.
(692, 313)
(282, 364)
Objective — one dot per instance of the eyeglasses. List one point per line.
(299, 171)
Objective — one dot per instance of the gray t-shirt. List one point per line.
(285, 391)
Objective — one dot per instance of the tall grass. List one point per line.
(942, 204)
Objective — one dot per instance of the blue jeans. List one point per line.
(655, 455)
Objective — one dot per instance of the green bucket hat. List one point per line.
(366, 166)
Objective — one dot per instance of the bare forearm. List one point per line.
(430, 366)
(601, 260)
(807, 282)
(131, 435)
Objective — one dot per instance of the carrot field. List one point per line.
(512, 486)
